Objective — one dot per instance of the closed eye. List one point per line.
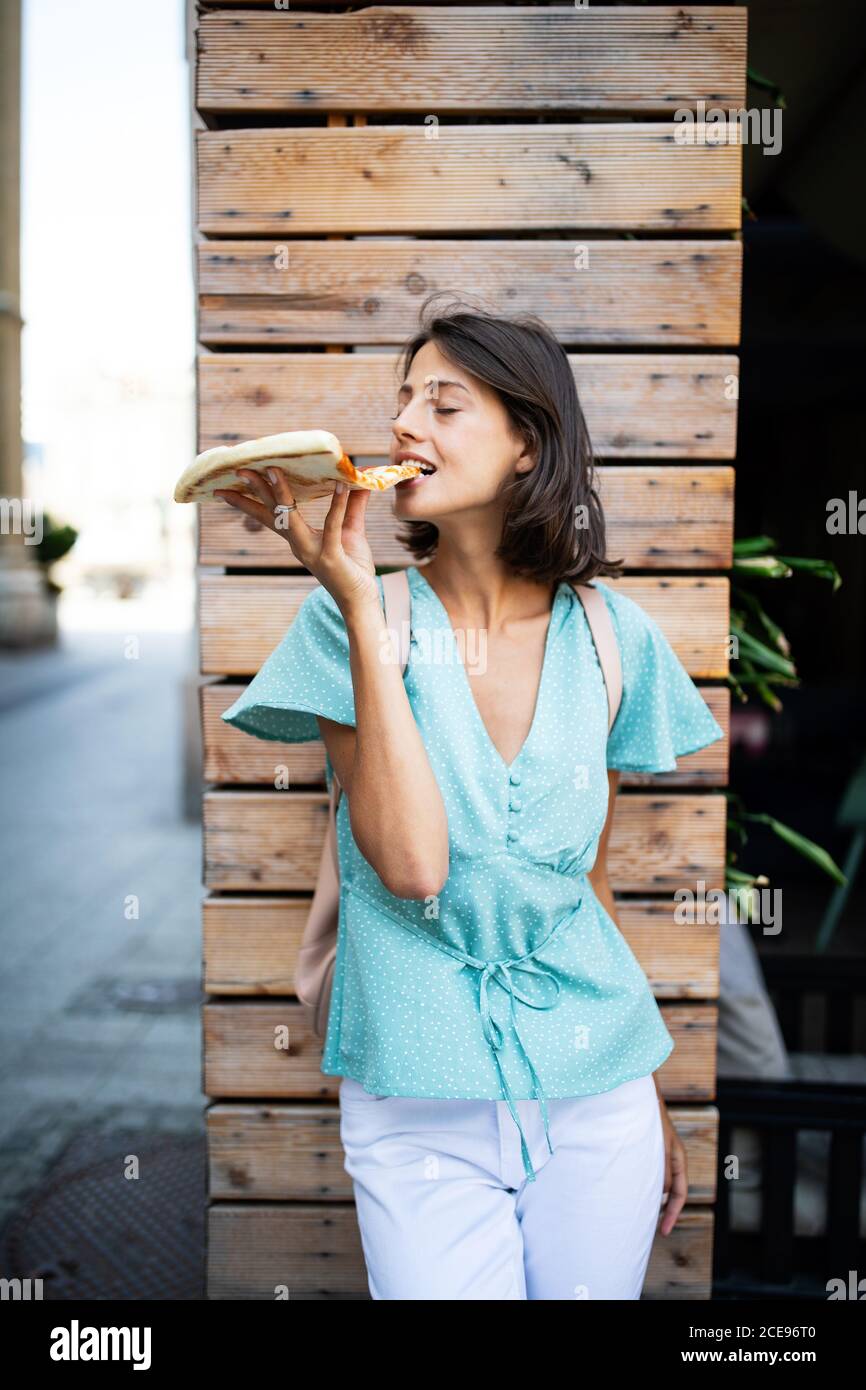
(439, 410)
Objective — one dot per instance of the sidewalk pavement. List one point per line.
(100, 905)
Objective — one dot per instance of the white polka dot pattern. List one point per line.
(417, 1008)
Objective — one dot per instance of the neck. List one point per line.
(482, 592)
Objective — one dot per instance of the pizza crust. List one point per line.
(313, 461)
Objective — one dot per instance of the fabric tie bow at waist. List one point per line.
(501, 973)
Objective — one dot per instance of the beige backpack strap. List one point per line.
(328, 881)
(397, 613)
(606, 645)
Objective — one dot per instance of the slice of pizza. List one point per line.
(313, 461)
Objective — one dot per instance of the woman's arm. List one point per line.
(396, 811)
(676, 1183)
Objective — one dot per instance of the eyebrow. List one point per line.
(442, 382)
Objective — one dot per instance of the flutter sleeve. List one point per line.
(307, 674)
(662, 715)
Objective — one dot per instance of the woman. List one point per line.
(496, 1036)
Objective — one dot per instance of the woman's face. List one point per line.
(448, 418)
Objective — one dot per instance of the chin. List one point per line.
(412, 504)
(414, 512)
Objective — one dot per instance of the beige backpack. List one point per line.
(314, 973)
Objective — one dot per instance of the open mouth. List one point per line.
(427, 469)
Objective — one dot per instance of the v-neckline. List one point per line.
(507, 767)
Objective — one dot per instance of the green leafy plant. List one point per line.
(57, 540)
(763, 651)
(755, 79)
(764, 664)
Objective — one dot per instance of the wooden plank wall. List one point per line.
(325, 213)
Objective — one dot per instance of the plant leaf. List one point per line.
(769, 85)
(819, 569)
(773, 631)
(762, 567)
(762, 655)
(804, 846)
(753, 545)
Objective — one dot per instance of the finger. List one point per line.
(281, 488)
(672, 1212)
(257, 484)
(664, 1201)
(666, 1222)
(280, 484)
(242, 503)
(356, 511)
(287, 518)
(675, 1203)
(332, 529)
(283, 499)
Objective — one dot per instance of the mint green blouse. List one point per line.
(514, 981)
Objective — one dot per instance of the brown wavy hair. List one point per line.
(528, 367)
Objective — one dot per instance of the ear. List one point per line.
(528, 458)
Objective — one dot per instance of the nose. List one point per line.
(406, 425)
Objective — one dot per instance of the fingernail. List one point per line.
(340, 488)
(272, 475)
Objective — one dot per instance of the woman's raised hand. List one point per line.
(339, 555)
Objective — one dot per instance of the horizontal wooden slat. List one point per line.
(312, 1251)
(657, 517)
(667, 518)
(243, 617)
(681, 961)
(241, 1059)
(295, 181)
(681, 1264)
(251, 946)
(636, 406)
(628, 292)
(296, 1251)
(273, 840)
(423, 58)
(293, 1152)
(282, 1152)
(233, 757)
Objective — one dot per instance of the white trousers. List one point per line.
(446, 1211)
